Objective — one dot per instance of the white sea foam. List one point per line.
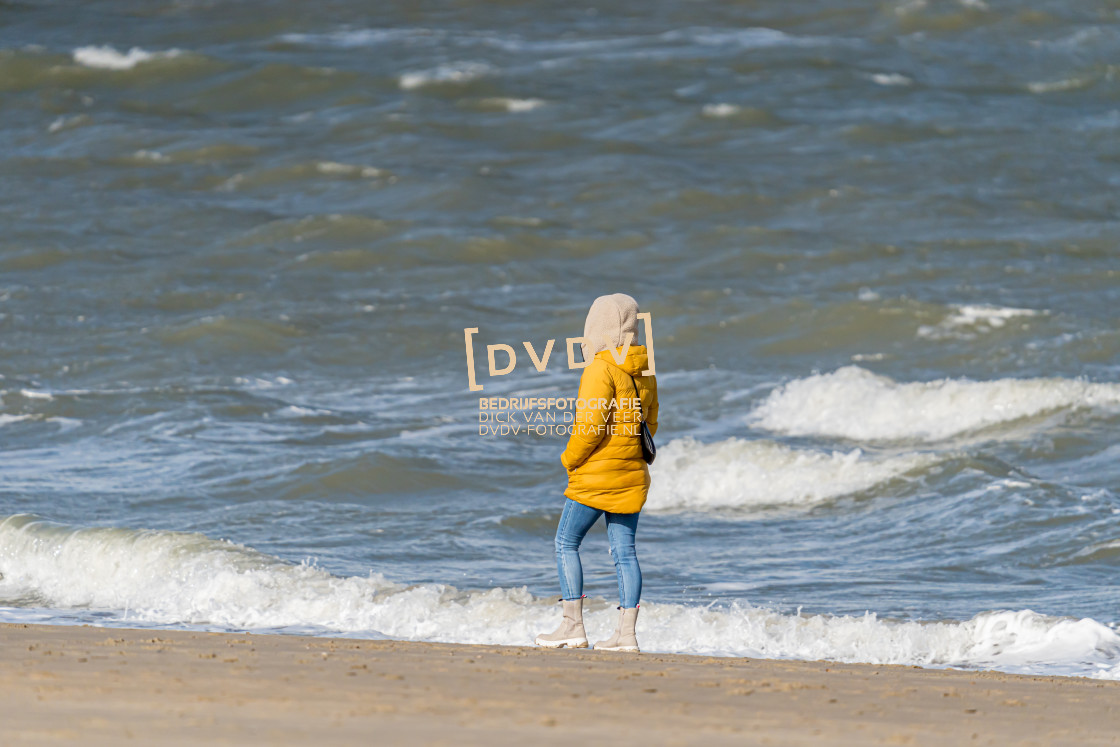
(907, 7)
(349, 38)
(257, 383)
(108, 58)
(151, 156)
(515, 106)
(968, 321)
(68, 123)
(65, 424)
(459, 72)
(1055, 86)
(36, 394)
(719, 110)
(854, 403)
(756, 37)
(891, 79)
(615, 46)
(742, 474)
(295, 411)
(176, 578)
(334, 168)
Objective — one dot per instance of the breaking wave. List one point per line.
(160, 578)
(856, 404)
(108, 58)
(738, 474)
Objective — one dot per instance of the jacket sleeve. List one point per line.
(596, 390)
(651, 415)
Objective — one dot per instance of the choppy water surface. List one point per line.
(240, 243)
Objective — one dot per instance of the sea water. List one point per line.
(241, 243)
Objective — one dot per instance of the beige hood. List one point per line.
(609, 321)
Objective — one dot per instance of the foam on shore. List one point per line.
(160, 578)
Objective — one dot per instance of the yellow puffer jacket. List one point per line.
(604, 455)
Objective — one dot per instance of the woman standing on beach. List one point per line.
(607, 474)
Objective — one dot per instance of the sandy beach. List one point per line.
(111, 686)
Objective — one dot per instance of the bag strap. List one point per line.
(638, 396)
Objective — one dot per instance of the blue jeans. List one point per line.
(575, 521)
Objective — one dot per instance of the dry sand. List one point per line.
(111, 686)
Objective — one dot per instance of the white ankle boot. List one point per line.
(571, 632)
(624, 638)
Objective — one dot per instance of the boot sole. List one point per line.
(569, 643)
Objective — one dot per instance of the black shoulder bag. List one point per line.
(649, 451)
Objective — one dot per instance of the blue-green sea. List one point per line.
(879, 241)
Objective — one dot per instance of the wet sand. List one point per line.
(110, 686)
